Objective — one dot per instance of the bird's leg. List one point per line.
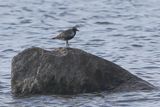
(67, 44)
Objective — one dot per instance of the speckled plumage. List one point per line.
(67, 35)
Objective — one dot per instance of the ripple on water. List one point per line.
(120, 35)
(133, 28)
(137, 45)
(104, 23)
(10, 51)
(97, 40)
(151, 67)
(5, 5)
(27, 9)
(26, 21)
(2, 87)
(94, 44)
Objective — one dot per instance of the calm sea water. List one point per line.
(126, 32)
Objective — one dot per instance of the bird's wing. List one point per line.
(68, 32)
(64, 34)
(58, 36)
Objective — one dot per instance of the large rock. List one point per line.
(69, 71)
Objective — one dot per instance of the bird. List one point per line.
(67, 35)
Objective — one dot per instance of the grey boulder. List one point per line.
(69, 71)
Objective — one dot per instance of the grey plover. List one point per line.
(67, 35)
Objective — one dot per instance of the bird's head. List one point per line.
(75, 29)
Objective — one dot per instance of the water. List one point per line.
(126, 32)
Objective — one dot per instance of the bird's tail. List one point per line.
(54, 38)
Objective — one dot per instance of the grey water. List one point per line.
(126, 32)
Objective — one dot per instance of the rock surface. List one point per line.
(69, 71)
